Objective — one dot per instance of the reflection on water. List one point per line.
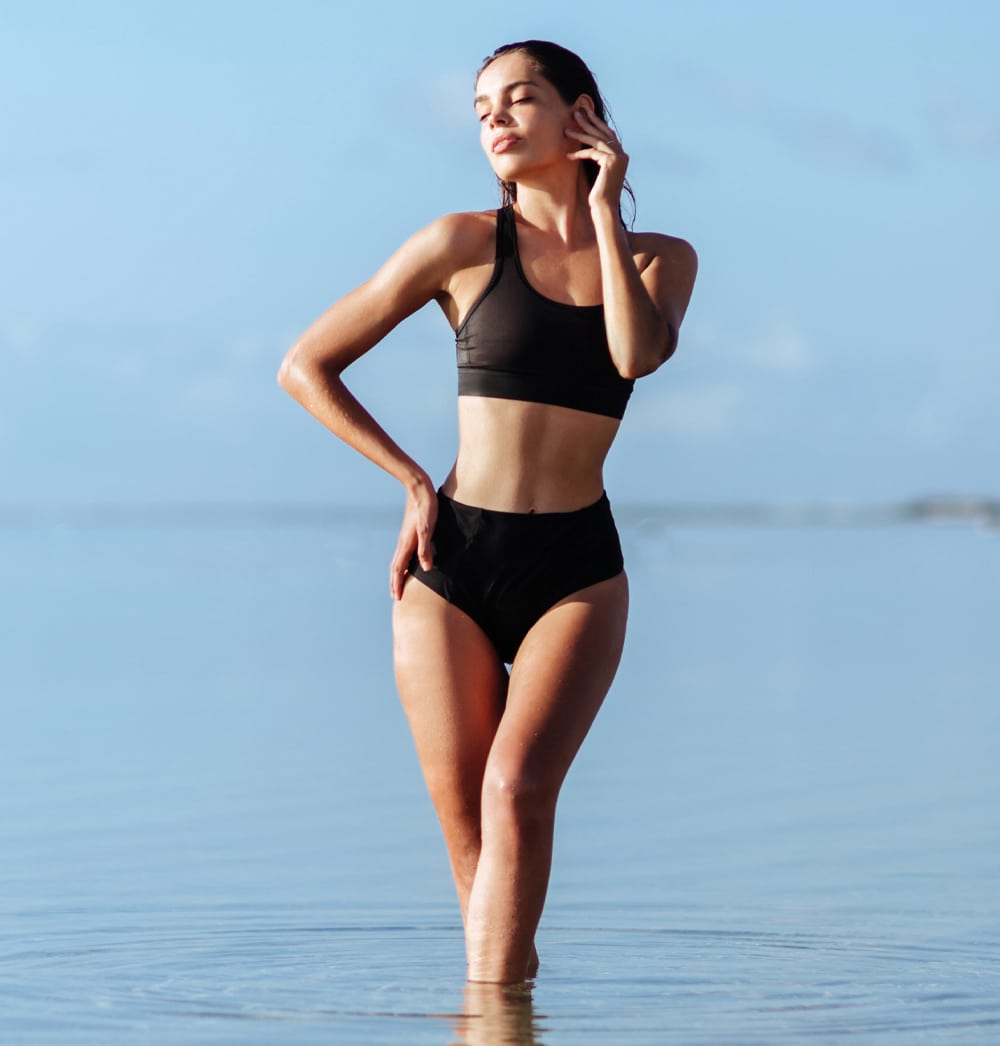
(497, 1015)
(783, 827)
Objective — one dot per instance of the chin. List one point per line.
(507, 169)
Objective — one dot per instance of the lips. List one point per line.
(503, 142)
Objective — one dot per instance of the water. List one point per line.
(784, 826)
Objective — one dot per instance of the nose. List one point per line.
(497, 117)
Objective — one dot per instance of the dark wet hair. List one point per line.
(569, 75)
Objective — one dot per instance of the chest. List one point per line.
(568, 277)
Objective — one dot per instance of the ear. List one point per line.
(584, 101)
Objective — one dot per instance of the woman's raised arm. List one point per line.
(643, 307)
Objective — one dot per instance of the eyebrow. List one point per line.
(506, 87)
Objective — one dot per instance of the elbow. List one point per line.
(670, 345)
(639, 366)
(286, 369)
(304, 375)
(631, 371)
(291, 376)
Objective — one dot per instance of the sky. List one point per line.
(187, 185)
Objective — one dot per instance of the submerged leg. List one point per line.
(559, 679)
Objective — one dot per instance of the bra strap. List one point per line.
(506, 243)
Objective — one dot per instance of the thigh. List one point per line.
(558, 681)
(452, 686)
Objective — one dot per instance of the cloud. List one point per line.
(22, 338)
(954, 405)
(832, 139)
(449, 96)
(961, 123)
(706, 411)
(649, 155)
(782, 347)
(779, 347)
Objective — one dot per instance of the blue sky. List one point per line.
(187, 185)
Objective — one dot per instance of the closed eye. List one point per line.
(514, 101)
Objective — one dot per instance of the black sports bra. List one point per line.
(516, 344)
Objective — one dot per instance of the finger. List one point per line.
(588, 118)
(583, 136)
(597, 155)
(425, 535)
(424, 551)
(600, 133)
(398, 566)
(587, 132)
(397, 573)
(599, 145)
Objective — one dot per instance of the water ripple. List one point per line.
(399, 983)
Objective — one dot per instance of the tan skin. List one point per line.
(495, 749)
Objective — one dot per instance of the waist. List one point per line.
(524, 499)
(528, 457)
(599, 508)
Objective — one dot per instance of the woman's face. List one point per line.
(522, 117)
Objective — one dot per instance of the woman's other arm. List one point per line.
(311, 372)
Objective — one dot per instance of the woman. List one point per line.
(557, 309)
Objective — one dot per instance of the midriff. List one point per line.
(515, 456)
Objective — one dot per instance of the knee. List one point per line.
(517, 801)
(455, 797)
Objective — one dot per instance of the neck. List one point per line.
(558, 207)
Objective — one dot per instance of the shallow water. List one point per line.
(783, 827)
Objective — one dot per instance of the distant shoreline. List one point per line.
(960, 509)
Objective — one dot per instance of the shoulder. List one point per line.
(669, 251)
(461, 237)
(667, 266)
(432, 255)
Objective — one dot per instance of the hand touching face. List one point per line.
(598, 142)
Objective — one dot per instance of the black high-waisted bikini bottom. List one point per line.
(505, 569)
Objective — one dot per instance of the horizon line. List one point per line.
(936, 508)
